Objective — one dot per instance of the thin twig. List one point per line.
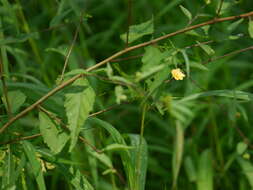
(220, 7)
(228, 54)
(129, 20)
(71, 48)
(126, 58)
(71, 80)
(21, 139)
(5, 90)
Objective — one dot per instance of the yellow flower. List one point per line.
(177, 74)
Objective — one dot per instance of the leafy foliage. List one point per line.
(126, 122)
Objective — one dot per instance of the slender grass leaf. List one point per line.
(240, 95)
(206, 48)
(247, 169)
(250, 28)
(138, 31)
(35, 164)
(19, 39)
(54, 136)
(116, 147)
(78, 103)
(178, 153)
(205, 171)
(234, 25)
(16, 100)
(187, 63)
(190, 169)
(102, 158)
(129, 166)
(8, 179)
(186, 12)
(139, 156)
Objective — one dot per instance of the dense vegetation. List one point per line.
(170, 110)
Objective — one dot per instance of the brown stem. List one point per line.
(71, 47)
(228, 54)
(61, 86)
(5, 90)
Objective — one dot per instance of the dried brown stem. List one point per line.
(61, 86)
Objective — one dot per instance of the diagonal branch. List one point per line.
(71, 80)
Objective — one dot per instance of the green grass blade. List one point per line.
(35, 164)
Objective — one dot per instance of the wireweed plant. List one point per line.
(126, 95)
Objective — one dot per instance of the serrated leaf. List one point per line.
(78, 104)
(205, 171)
(35, 164)
(138, 31)
(52, 133)
(250, 28)
(186, 12)
(16, 100)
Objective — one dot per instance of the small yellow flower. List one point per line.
(177, 74)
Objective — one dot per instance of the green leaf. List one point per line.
(187, 62)
(250, 28)
(139, 156)
(241, 148)
(186, 12)
(16, 100)
(35, 164)
(206, 48)
(119, 93)
(52, 133)
(178, 152)
(102, 158)
(78, 180)
(247, 169)
(190, 169)
(8, 177)
(18, 39)
(151, 71)
(152, 57)
(138, 31)
(205, 171)
(62, 50)
(240, 95)
(234, 25)
(116, 147)
(78, 104)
